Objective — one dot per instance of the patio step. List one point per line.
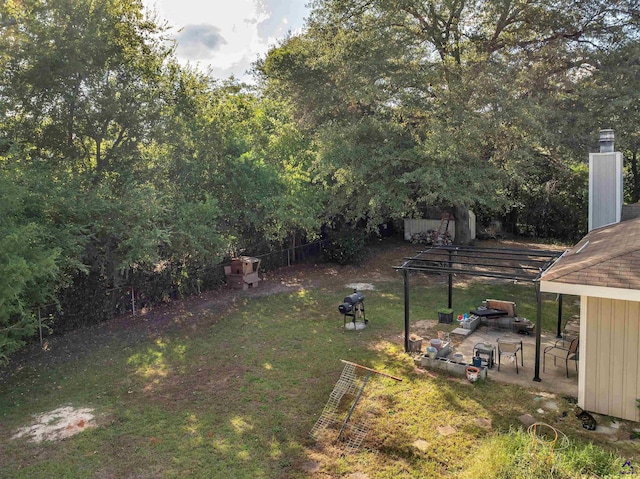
(462, 331)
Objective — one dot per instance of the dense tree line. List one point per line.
(117, 163)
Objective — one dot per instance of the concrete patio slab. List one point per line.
(554, 379)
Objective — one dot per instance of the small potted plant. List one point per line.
(415, 343)
(445, 315)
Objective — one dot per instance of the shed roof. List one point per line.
(607, 257)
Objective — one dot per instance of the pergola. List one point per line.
(505, 263)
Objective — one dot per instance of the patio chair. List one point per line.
(510, 348)
(562, 351)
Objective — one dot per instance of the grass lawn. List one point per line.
(233, 391)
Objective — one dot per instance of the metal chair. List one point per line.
(510, 348)
(560, 350)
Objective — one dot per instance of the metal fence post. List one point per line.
(40, 325)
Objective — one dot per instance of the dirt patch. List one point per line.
(360, 286)
(58, 424)
(129, 330)
(207, 308)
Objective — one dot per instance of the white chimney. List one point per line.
(605, 183)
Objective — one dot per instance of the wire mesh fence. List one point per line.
(290, 256)
(144, 291)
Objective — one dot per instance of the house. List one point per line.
(603, 269)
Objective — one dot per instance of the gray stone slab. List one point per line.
(421, 445)
(483, 422)
(462, 331)
(447, 430)
(527, 419)
(605, 430)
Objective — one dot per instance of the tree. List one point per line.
(255, 161)
(464, 79)
(612, 95)
(128, 164)
(82, 85)
(29, 265)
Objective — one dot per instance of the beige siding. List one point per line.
(609, 342)
(631, 373)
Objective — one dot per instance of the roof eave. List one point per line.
(624, 294)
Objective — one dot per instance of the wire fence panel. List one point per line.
(290, 256)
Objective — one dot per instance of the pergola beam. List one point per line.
(559, 333)
(536, 374)
(509, 257)
(475, 263)
(471, 272)
(502, 251)
(405, 274)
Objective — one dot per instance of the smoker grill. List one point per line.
(353, 307)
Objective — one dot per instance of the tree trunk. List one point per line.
(463, 231)
(635, 190)
(99, 160)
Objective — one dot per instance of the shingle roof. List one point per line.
(607, 256)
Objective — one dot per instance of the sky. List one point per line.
(227, 36)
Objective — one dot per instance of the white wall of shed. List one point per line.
(422, 225)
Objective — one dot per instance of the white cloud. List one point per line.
(199, 41)
(227, 36)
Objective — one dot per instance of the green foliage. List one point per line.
(344, 246)
(131, 165)
(477, 106)
(515, 455)
(124, 165)
(550, 200)
(28, 267)
(363, 165)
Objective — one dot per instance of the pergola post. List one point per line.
(559, 335)
(406, 310)
(536, 376)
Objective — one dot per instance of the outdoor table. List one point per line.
(490, 314)
(486, 352)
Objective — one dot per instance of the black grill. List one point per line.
(353, 306)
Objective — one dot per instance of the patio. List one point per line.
(554, 379)
(501, 263)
